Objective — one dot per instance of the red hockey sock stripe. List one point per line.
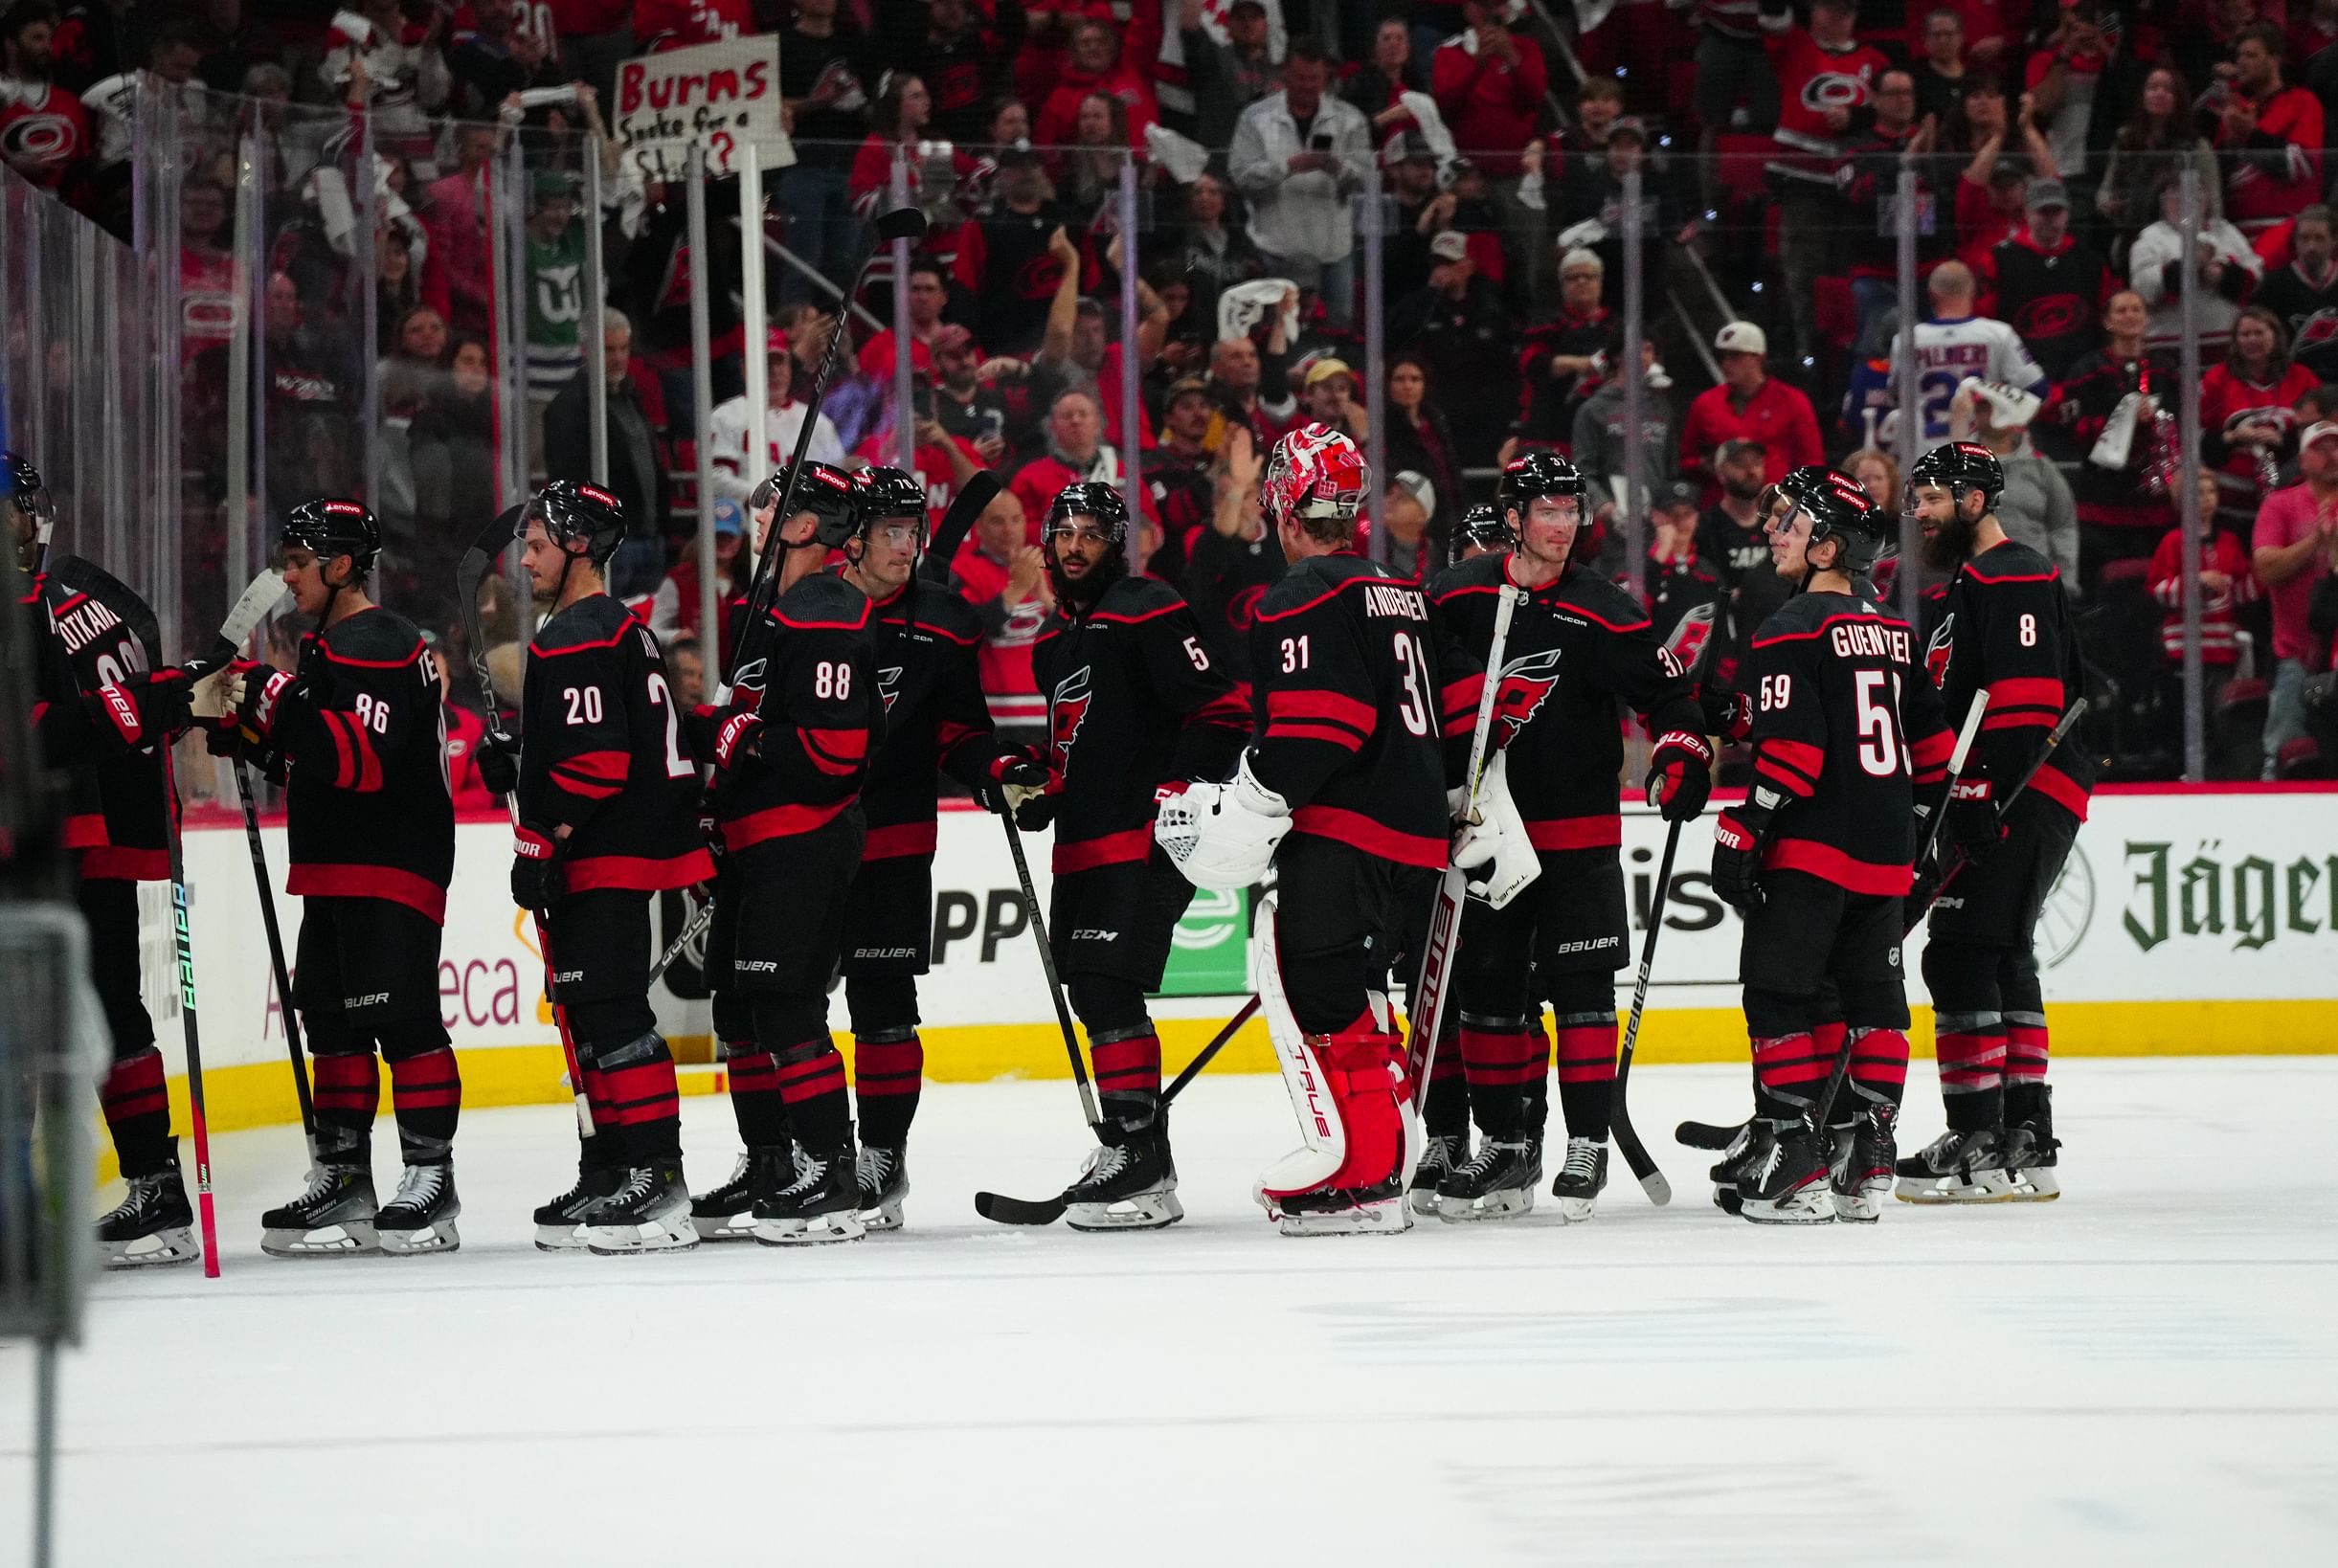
(1586, 1052)
(642, 1093)
(889, 1066)
(756, 1073)
(1790, 1061)
(348, 1084)
(819, 1074)
(1128, 1066)
(1879, 1058)
(429, 1082)
(1969, 1061)
(1502, 1055)
(134, 1088)
(2025, 1052)
(596, 1097)
(1446, 1068)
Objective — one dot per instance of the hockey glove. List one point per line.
(738, 737)
(499, 762)
(1972, 822)
(261, 695)
(1680, 775)
(535, 871)
(1736, 854)
(1728, 714)
(1015, 776)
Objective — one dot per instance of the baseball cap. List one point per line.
(1405, 148)
(1739, 447)
(1450, 245)
(2316, 431)
(1418, 486)
(1676, 493)
(1630, 125)
(1741, 338)
(1324, 369)
(2044, 193)
(727, 519)
(1195, 384)
(952, 339)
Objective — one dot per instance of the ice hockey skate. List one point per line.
(2031, 1152)
(883, 1178)
(421, 1216)
(1736, 1167)
(727, 1214)
(1791, 1186)
(821, 1205)
(1957, 1168)
(334, 1218)
(1496, 1183)
(649, 1213)
(560, 1222)
(1128, 1184)
(1440, 1158)
(1345, 1211)
(1868, 1156)
(153, 1227)
(1581, 1180)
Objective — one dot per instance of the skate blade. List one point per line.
(1504, 1206)
(442, 1237)
(1574, 1211)
(717, 1227)
(884, 1216)
(1390, 1217)
(1801, 1207)
(560, 1238)
(1145, 1211)
(2038, 1185)
(1423, 1200)
(628, 1241)
(350, 1238)
(160, 1250)
(1992, 1189)
(816, 1230)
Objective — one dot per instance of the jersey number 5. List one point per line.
(1878, 724)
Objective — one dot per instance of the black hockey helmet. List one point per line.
(32, 516)
(1840, 510)
(824, 490)
(1110, 508)
(574, 512)
(1533, 474)
(1956, 467)
(331, 526)
(880, 492)
(1485, 527)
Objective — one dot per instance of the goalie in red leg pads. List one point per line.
(1580, 649)
(356, 733)
(1817, 858)
(1343, 790)
(102, 710)
(1134, 705)
(606, 819)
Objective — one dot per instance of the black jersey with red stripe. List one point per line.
(1845, 728)
(361, 731)
(928, 648)
(602, 753)
(1133, 701)
(823, 716)
(1580, 651)
(90, 647)
(2003, 628)
(1344, 708)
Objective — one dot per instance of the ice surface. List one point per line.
(2143, 1372)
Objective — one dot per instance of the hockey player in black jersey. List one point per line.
(1817, 858)
(356, 733)
(1342, 793)
(790, 753)
(606, 806)
(1580, 648)
(104, 713)
(2004, 631)
(1134, 704)
(936, 720)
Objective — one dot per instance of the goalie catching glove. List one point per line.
(1222, 836)
(1492, 846)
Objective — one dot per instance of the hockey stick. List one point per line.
(1453, 889)
(1046, 1211)
(198, 1123)
(2053, 740)
(275, 954)
(969, 503)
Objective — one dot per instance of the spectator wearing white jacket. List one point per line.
(2227, 267)
(2037, 508)
(1298, 155)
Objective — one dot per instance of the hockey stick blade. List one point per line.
(1020, 1211)
(1635, 1155)
(1706, 1135)
(261, 596)
(969, 504)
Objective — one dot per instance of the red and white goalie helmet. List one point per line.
(1313, 473)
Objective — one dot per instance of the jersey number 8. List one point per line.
(832, 678)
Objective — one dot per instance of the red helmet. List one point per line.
(1313, 471)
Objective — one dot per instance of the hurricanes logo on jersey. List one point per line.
(1938, 650)
(888, 684)
(1526, 685)
(1067, 709)
(1834, 90)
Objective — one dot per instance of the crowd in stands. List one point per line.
(2049, 145)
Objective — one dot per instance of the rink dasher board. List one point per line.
(2189, 921)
